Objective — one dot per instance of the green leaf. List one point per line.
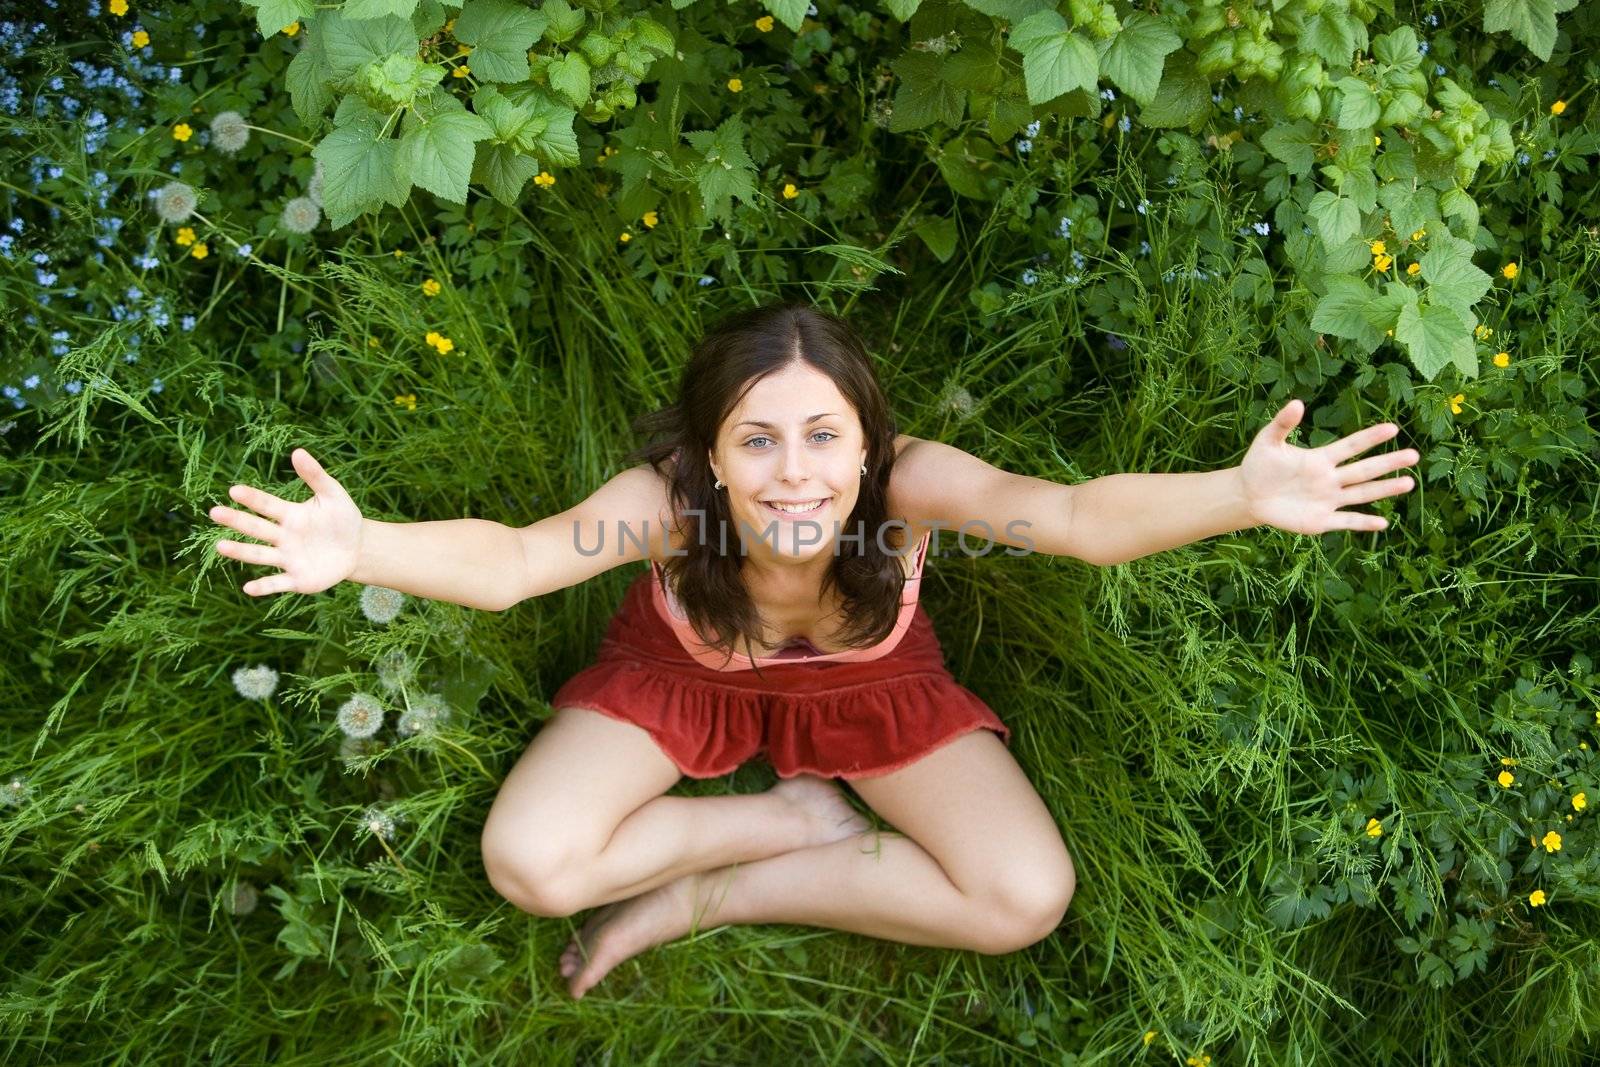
(789, 12)
(925, 96)
(502, 170)
(351, 44)
(273, 15)
(373, 9)
(1294, 144)
(1435, 336)
(1336, 217)
(1343, 311)
(500, 34)
(1358, 104)
(1455, 203)
(1054, 59)
(1452, 279)
(1533, 22)
(360, 171)
(1331, 34)
(569, 76)
(400, 77)
(565, 20)
(726, 170)
(940, 237)
(307, 76)
(437, 152)
(1183, 99)
(1133, 57)
(1013, 11)
(549, 134)
(903, 9)
(1410, 206)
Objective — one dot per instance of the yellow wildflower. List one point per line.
(200, 251)
(1455, 403)
(450, 27)
(1508, 761)
(463, 49)
(789, 191)
(1505, 779)
(407, 401)
(1558, 107)
(1536, 898)
(1414, 269)
(292, 29)
(650, 219)
(185, 238)
(764, 23)
(1374, 828)
(624, 236)
(1482, 332)
(445, 346)
(1376, 140)
(1584, 745)
(433, 337)
(1198, 1061)
(1379, 248)
(182, 132)
(140, 38)
(372, 342)
(1551, 842)
(1382, 261)
(1502, 359)
(430, 288)
(1580, 801)
(461, 71)
(1149, 1036)
(735, 85)
(1509, 270)
(1419, 235)
(119, 7)
(545, 179)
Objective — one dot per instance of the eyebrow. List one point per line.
(769, 426)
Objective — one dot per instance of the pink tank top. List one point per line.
(799, 650)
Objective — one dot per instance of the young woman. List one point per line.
(787, 526)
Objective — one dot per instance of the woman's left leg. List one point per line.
(978, 864)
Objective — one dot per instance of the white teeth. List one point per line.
(797, 509)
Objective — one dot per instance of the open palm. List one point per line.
(313, 543)
(1302, 489)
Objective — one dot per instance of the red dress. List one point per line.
(851, 714)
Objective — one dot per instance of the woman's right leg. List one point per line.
(581, 820)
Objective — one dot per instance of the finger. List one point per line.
(1375, 466)
(259, 500)
(1284, 422)
(1367, 492)
(243, 550)
(311, 472)
(1358, 442)
(1357, 520)
(246, 523)
(276, 583)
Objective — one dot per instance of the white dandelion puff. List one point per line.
(255, 683)
(361, 715)
(229, 131)
(957, 401)
(380, 604)
(242, 901)
(425, 716)
(378, 823)
(314, 187)
(175, 201)
(396, 670)
(353, 748)
(301, 215)
(15, 792)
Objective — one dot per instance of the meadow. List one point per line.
(1327, 795)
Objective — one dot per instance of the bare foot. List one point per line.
(621, 930)
(826, 812)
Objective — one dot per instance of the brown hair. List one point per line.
(730, 358)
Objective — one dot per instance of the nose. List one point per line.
(794, 463)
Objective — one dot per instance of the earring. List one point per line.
(863, 470)
(717, 484)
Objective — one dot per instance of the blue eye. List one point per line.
(820, 433)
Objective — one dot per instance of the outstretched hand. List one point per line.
(1302, 489)
(314, 543)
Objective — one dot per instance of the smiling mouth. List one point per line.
(788, 512)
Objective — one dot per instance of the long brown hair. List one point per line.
(732, 356)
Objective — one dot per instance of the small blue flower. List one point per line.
(74, 387)
(1108, 94)
(9, 391)
(1078, 261)
(1125, 124)
(1438, 71)
(1263, 228)
(1238, 113)
(1550, 153)
(706, 279)
(1029, 277)
(1144, 248)
(1024, 146)
(156, 386)
(1216, 98)
(1523, 159)
(1033, 128)
(243, 251)
(40, 258)
(1064, 227)
(1072, 279)
(1422, 47)
(31, 381)
(1144, 207)
(1432, 20)
(6, 241)
(186, 323)
(45, 277)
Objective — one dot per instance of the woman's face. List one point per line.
(793, 439)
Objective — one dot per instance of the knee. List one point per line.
(1027, 903)
(538, 879)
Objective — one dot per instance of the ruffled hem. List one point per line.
(855, 731)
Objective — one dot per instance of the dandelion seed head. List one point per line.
(361, 715)
(352, 748)
(958, 402)
(175, 201)
(378, 823)
(314, 187)
(301, 215)
(425, 716)
(255, 683)
(380, 604)
(15, 792)
(229, 132)
(395, 670)
(242, 901)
